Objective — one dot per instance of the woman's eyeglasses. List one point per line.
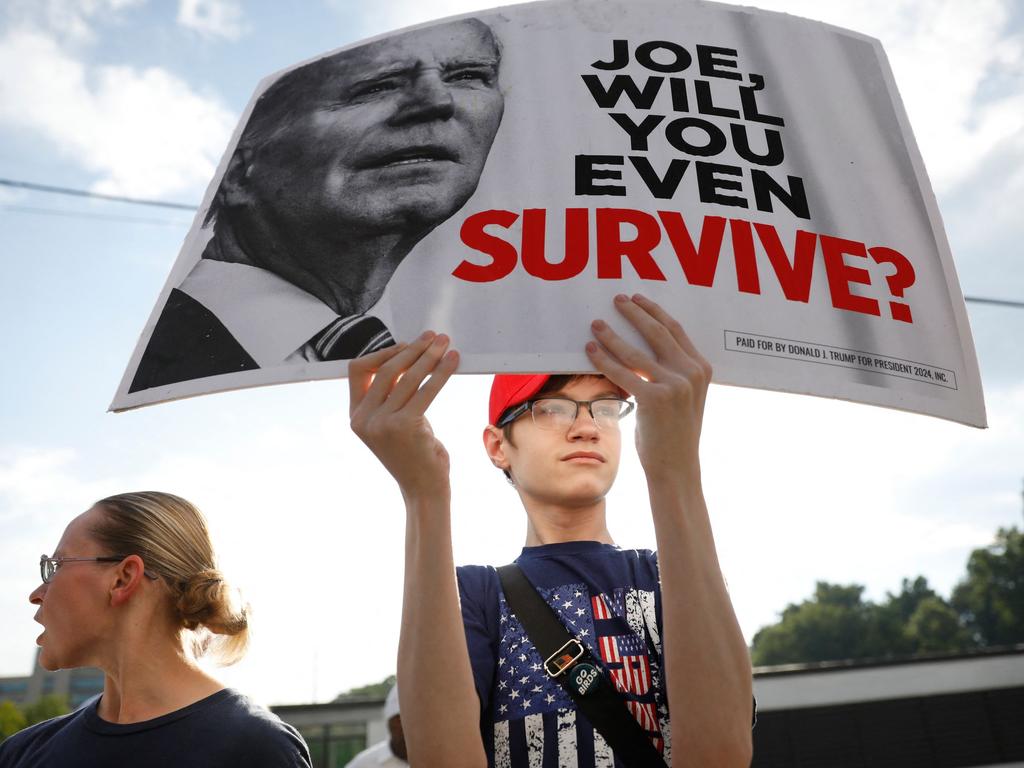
(48, 566)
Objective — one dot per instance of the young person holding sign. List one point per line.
(602, 644)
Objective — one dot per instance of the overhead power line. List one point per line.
(997, 302)
(72, 214)
(85, 193)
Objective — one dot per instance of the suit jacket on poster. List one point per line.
(189, 342)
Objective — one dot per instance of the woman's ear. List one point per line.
(128, 576)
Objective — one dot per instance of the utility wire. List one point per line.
(72, 214)
(185, 207)
(97, 195)
(997, 302)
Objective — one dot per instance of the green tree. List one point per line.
(909, 598)
(935, 627)
(45, 707)
(990, 600)
(833, 624)
(890, 619)
(12, 719)
(373, 690)
(836, 623)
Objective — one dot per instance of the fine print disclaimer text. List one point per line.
(823, 354)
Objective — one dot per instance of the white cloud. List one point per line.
(377, 18)
(982, 217)
(212, 18)
(36, 483)
(143, 131)
(955, 126)
(69, 20)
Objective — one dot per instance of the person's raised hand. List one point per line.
(670, 383)
(390, 391)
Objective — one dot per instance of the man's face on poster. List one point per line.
(394, 138)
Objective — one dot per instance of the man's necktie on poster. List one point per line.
(353, 336)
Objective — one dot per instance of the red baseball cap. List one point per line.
(511, 389)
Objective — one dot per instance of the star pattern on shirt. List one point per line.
(522, 685)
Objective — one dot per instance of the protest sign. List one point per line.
(501, 176)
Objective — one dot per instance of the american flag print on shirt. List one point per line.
(636, 674)
(535, 721)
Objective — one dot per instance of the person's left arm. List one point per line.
(708, 673)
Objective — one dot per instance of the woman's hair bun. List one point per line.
(207, 601)
(173, 540)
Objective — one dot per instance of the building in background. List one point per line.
(955, 711)
(76, 685)
(336, 732)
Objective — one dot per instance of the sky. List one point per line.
(137, 98)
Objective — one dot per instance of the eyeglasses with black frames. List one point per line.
(559, 413)
(48, 566)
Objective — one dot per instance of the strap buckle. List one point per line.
(563, 659)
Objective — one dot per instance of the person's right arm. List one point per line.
(390, 392)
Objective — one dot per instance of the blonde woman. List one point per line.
(133, 588)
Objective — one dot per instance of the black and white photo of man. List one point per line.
(344, 165)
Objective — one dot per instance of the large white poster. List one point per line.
(501, 176)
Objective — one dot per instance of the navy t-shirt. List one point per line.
(610, 599)
(220, 731)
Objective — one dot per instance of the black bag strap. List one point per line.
(569, 662)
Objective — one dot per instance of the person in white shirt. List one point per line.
(389, 753)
